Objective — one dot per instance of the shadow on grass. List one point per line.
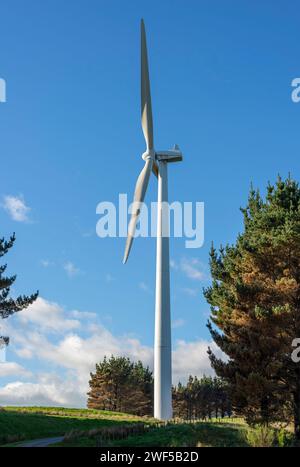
(18, 425)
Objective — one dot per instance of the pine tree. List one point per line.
(255, 304)
(201, 398)
(8, 305)
(143, 380)
(180, 409)
(121, 385)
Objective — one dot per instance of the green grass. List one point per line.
(69, 412)
(227, 433)
(26, 423)
(198, 434)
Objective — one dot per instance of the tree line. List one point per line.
(124, 386)
(201, 398)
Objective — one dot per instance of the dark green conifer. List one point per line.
(8, 305)
(255, 307)
(121, 385)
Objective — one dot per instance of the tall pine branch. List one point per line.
(9, 305)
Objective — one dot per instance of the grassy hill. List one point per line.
(26, 423)
(201, 434)
(84, 427)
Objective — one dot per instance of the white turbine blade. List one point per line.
(147, 122)
(139, 195)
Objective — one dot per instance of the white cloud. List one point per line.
(16, 207)
(192, 269)
(47, 316)
(191, 358)
(71, 269)
(73, 354)
(13, 369)
(2, 354)
(83, 314)
(24, 353)
(49, 391)
(79, 354)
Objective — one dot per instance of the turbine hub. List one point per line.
(149, 154)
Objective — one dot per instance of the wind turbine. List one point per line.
(157, 162)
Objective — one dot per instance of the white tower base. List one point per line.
(162, 343)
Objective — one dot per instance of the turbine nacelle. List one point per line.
(173, 155)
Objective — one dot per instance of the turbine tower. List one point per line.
(156, 162)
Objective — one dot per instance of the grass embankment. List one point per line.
(201, 434)
(27, 423)
(84, 427)
(210, 434)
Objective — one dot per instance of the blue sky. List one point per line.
(221, 77)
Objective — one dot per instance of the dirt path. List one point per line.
(40, 443)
